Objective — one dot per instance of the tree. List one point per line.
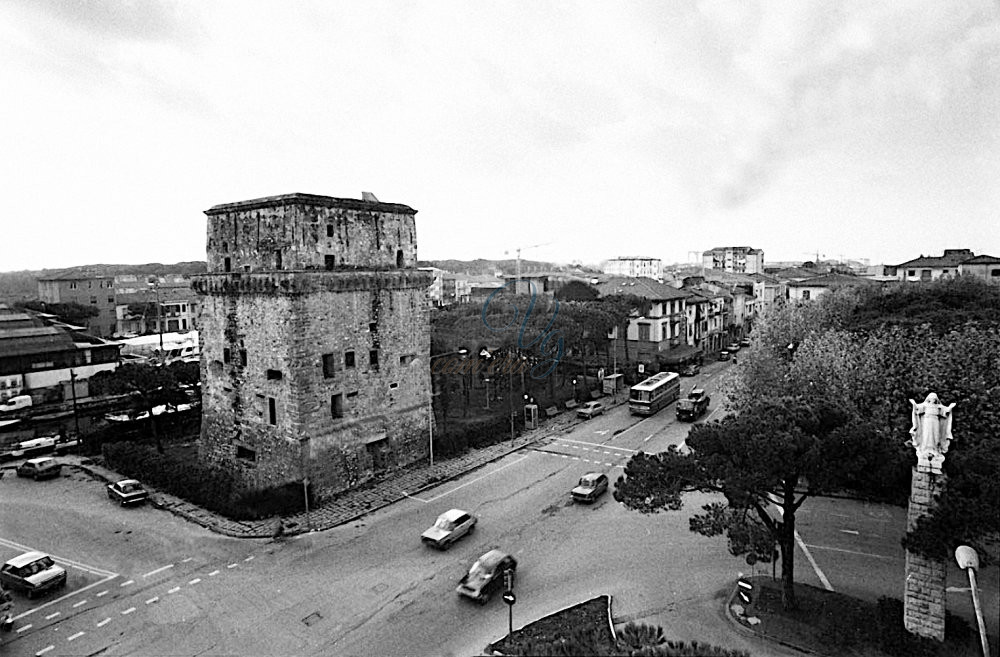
(150, 386)
(775, 455)
(71, 312)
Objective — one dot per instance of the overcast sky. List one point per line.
(855, 129)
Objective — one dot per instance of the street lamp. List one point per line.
(968, 560)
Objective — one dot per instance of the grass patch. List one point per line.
(834, 624)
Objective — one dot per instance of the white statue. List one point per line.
(931, 432)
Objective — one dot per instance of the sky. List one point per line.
(574, 131)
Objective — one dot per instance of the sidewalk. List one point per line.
(350, 505)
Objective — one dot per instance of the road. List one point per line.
(144, 582)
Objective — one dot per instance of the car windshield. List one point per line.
(445, 524)
(685, 403)
(131, 488)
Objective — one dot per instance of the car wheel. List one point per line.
(482, 600)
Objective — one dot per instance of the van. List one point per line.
(16, 403)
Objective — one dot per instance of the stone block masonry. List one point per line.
(924, 595)
(315, 341)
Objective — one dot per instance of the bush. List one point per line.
(205, 486)
(476, 433)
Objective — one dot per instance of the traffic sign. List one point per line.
(745, 589)
(509, 597)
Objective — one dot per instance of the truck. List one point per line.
(694, 405)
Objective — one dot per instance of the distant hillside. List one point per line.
(22, 285)
(489, 267)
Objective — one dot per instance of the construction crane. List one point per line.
(524, 248)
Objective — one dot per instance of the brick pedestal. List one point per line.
(924, 599)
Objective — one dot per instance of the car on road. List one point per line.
(733, 347)
(591, 486)
(694, 405)
(127, 491)
(16, 403)
(724, 355)
(449, 527)
(590, 409)
(745, 342)
(40, 468)
(692, 369)
(487, 576)
(33, 573)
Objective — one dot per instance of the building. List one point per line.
(931, 268)
(634, 267)
(736, 259)
(811, 288)
(137, 298)
(87, 289)
(315, 341)
(985, 267)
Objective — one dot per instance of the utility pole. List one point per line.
(76, 416)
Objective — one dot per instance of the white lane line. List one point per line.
(104, 622)
(131, 581)
(51, 616)
(860, 554)
(850, 531)
(840, 515)
(44, 650)
(174, 590)
(213, 573)
(565, 456)
(576, 447)
(75, 636)
(128, 611)
(152, 600)
(233, 565)
(76, 564)
(23, 628)
(188, 559)
(583, 442)
(194, 581)
(646, 439)
(64, 597)
(158, 570)
(79, 604)
(610, 465)
(809, 556)
(577, 458)
(250, 558)
(102, 593)
(469, 483)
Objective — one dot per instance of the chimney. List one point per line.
(368, 197)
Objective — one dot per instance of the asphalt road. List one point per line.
(144, 582)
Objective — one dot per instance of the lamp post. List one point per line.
(968, 560)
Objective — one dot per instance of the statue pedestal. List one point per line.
(924, 595)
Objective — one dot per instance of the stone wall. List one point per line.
(924, 596)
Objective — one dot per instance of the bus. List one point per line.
(654, 393)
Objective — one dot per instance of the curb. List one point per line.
(750, 632)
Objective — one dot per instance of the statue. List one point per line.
(930, 434)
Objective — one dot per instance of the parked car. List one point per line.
(15, 403)
(692, 369)
(724, 355)
(33, 573)
(40, 468)
(733, 347)
(486, 576)
(590, 409)
(694, 405)
(449, 527)
(33, 446)
(591, 486)
(745, 342)
(127, 491)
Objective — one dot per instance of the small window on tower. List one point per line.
(337, 406)
(329, 230)
(329, 262)
(227, 355)
(274, 375)
(348, 359)
(373, 359)
(227, 264)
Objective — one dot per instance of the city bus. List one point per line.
(654, 393)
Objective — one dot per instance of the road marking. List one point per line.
(102, 593)
(577, 447)
(840, 515)
(128, 611)
(583, 442)
(158, 570)
(468, 483)
(602, 432)
(79, 604)
(188, 559)
(23, 628)
(565, 456)
(809, 556)
(610, 465)
(51, 616)
(152, 600)
(850, 531)
(194, 581)
(213, 573)
(250, 558)
(577, 458)
(75, 636)
(861, 554)
(104, 622)
(131, 581)
(76, 564)
(233, 565)
(44, 650)
(174, 590)
(646, 439)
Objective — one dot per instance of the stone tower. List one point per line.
(315, 340)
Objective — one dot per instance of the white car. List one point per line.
(590, 409)
(449, 527)
(33, 573)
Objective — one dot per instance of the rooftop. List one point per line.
(645, 288)
(310, 199)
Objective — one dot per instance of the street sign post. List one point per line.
(509, 598)
(745, 588)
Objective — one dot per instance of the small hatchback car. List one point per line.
(127, 491)
(486, 576)
(449, 527)
(40, 468)
(590, 409)
(591, 486)
(33, 573)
